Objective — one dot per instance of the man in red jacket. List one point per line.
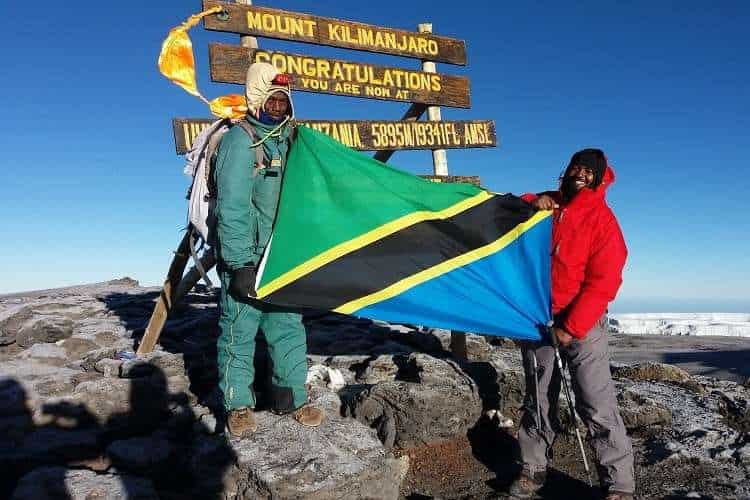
(588, 255)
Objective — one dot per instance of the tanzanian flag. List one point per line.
(359, 237)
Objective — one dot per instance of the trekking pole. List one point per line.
(536, 391)
(566, 390)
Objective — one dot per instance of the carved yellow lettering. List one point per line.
(323, 69)
(484, 133)
(419, 134)
(361, 74)
(408, 135)
(432, 47)
(434, 134)
(437, 84)
(376, 136)
(471, 134)
(390, 131)
(269, 22)
(345, 134)
(279, 62)
(373, 79)
(398, 78)
(334, 32)
(337, 73)
(186, 135)
(390, 40)
(403, 44)
(388, 78)
(424, 81)
(254, 21)
(356, 139)
(308, 66)
(413, 81)
(413, 45)
(297, 27)
(348, 69)
(455, 138)
(262, 57)
(294, 66)
(379, 39)
(366, 36)
(443, 133)
(309, 28)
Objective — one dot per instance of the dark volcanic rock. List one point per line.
(45, 329)
(56, 482)
(169, 364)
(427, 399)
(658, 372)
(639, 411)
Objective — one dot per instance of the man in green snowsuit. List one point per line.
(249, 166)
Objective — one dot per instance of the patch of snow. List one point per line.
(723, 324)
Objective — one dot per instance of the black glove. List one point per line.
(242, 284)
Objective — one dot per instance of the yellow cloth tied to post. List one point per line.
(176, 62)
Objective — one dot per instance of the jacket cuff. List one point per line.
(573, 332)
(529, 197)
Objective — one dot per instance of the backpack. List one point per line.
(201, 194)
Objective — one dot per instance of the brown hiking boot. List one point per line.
(527, 485)
(309, 416)
(618, 495)
(241, 422)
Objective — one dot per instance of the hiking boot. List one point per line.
(241, 422)
(309, 415)
(527, 485)
(618, 495)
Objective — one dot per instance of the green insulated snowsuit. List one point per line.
(247, 199)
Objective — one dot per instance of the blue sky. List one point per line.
(92, 188)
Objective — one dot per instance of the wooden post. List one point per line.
(440, 167)
(166, 300)
(247, 41)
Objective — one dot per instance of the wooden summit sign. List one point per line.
(373, 135)
(294, 26)
(229, 64)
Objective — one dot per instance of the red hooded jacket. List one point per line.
(588, 255)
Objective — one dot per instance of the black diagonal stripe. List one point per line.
(404, 253)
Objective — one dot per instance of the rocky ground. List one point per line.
(80, 418)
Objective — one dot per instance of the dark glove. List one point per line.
(242, 284)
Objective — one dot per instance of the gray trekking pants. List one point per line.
(595, 401)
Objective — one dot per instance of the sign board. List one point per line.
(373, 135)
(229, 64)
(466, 179)
(294, 26)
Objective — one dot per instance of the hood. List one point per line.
(259, 85)
(607, 180)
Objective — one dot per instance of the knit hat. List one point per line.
(262, 80)
(592, 158)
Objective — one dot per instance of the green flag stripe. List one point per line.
(326, 185)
